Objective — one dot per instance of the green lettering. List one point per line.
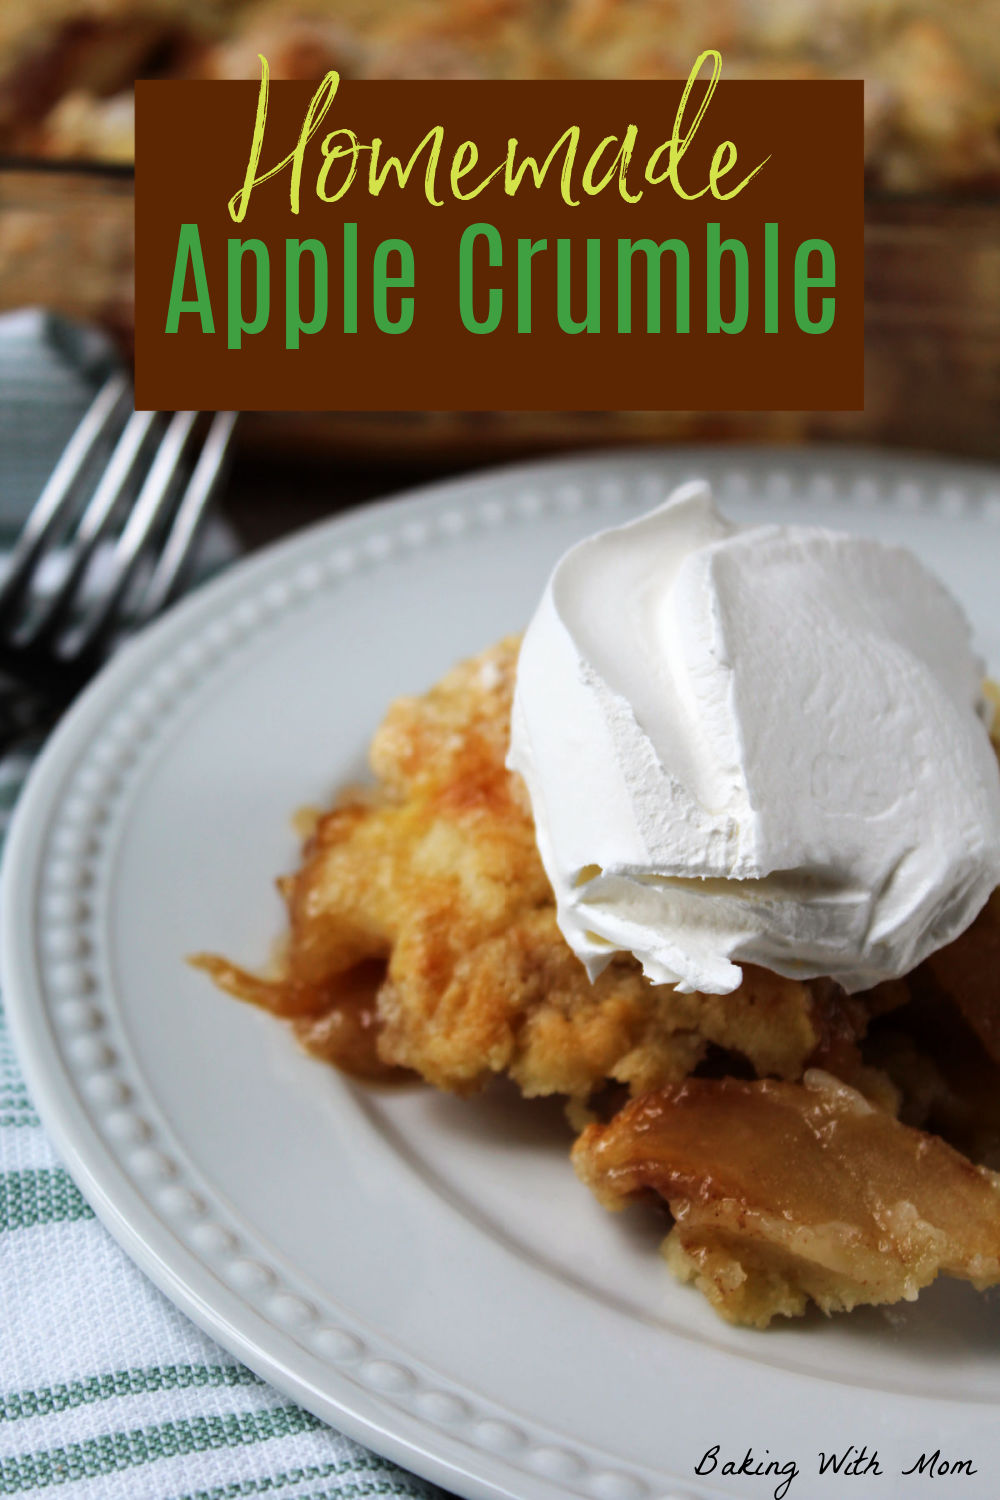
(350, 278)
(189, 250)
(716, 249)
(294, 324)
(654, 266)
(591, 322)
(237, 325)
(382, 283)
(467, 278)
(804, 283)
(526, 251)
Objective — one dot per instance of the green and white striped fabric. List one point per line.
(107, 1392)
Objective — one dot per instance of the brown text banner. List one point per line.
(367, 245)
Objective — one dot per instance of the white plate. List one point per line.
(425, 1273)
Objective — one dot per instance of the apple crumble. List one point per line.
(807, 1142)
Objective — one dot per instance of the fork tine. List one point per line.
(93, 523)
(208, 472)
(60, 489)
(156, 493)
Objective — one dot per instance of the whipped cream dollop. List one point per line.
(764, 745)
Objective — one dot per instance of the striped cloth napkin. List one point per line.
(107, 1392)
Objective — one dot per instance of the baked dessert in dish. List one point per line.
(931, 68)
(812, 1140)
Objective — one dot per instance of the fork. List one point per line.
(144, 506)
